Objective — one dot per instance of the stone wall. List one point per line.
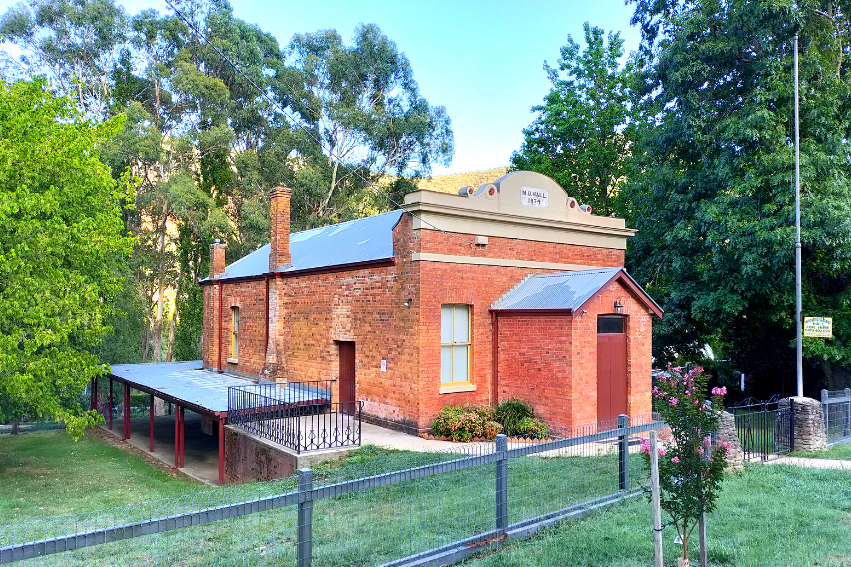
(809, 423)
(727, 432)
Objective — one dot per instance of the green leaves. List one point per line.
(712, 192)
(61, 236)
(578, 136)
(367, 119)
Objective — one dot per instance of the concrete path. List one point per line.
(201, 452)
(808, 463)
(390, 439)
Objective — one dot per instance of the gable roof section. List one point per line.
(568, 291)
(368, 239)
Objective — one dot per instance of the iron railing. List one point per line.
(765, 428)
(402, 509)
(836, 406)
(301, 416)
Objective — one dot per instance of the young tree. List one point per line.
(578, 136)
(61, 239)
(691, 467)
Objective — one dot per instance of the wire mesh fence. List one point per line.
(397, 508)
(836, 407)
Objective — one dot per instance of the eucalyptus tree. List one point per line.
(77, 44)
(364, 117)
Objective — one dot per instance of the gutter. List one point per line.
(391, 261)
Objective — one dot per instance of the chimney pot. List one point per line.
(279, 224)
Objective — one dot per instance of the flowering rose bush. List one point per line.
(691, 467)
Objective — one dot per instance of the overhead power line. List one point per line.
(194, 29)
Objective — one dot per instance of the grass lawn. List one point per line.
(841, 451)
(47, 474)
(768, 515)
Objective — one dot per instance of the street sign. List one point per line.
(818, 327)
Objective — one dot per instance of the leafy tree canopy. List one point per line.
(713, 194)
(61, 243)
(578, 136)
(365, 117)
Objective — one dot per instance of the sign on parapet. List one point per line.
(818, 327)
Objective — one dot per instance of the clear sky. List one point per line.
(481, 59)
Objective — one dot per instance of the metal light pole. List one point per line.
(798, 314)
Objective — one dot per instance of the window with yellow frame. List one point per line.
(234, 340)
(454, 344)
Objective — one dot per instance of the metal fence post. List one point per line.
(824, 410)
(501, 483)
(305, 517)
(623, 453)
(847, 405)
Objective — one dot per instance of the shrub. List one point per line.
(464, 423)
(533, 427)
(512, 417)
(510, 413)
(445, 420)
(492, 429)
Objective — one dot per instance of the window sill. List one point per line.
(233, 361)
(458, 388)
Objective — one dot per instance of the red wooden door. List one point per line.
(347, 376)
(611, 368)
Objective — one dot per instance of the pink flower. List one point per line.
(674, 402)
(662, 451)
(722, 391)
(675, 460)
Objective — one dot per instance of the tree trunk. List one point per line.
(16, 427)
(333, 185)
(168, 351)
(158, 322)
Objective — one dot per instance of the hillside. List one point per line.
(452, 182)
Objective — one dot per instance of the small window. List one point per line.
(454, 344)
(234, 343)
(610, 325)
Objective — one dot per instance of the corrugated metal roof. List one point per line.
(564, 290)
(188, 382)
(362, 240)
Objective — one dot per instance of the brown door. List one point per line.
(347, 376)
(611, 367)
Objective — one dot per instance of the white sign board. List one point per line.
(534, 197)
(818, 327)
(383, 365)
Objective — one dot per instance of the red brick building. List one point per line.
(510, 290)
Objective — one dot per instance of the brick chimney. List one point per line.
(217, 258)
(279, 224)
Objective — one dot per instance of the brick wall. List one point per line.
(310, 313)
(534, 364)
(556, 357)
